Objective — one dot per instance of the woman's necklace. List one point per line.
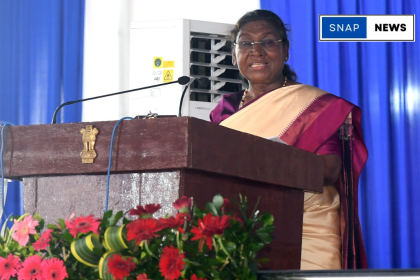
(246, 92)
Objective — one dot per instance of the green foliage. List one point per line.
(233, 254)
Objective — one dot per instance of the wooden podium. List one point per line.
(159, 160)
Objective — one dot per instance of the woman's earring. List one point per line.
(287, 58)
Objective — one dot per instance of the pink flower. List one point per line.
(43, 241)
(183, 204)
(22, 230)
(31, 269)
(83, 225)
(53, 269)
(9, 267)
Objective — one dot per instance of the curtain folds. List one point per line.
(41, 65)
(383, 79)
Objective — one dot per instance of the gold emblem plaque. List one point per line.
(89, 138)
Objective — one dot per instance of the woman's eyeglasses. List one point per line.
(266, 44)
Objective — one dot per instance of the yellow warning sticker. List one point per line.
(157, 62)
(169, 64)
(168, 76)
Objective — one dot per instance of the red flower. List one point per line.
(142, 276)
(43, 241)
(171, 263)
(120, 268)
(53, 269)
(239, 220)
(9, 267)
(172, 222)
(148, 210)
(31, 269)
(83, 225)
(142, 229)
(226, 201)
(194, 277)
(183, 204)
(209, 226)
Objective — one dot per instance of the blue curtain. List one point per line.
(41, 63)
(384, 80)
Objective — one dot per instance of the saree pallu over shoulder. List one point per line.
(306, 117)
(272, 112)
(309, 131)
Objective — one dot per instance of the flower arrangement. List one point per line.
(195, 244)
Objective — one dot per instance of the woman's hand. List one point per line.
(332, 168)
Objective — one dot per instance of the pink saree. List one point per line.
(308, 118)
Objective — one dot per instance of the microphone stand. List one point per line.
(182, 96)
(201, 79)
(181, 81)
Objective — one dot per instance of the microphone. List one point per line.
(182, 81)
(201, 79)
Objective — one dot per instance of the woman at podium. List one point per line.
(275, 105)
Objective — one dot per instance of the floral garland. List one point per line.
(195, 244)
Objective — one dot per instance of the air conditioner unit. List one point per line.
(163, 51)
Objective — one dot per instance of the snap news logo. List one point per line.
(383, 28)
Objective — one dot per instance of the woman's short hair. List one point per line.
(273, 20)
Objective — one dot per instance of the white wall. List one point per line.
(106, 51)
(107, 24)
(224, 11)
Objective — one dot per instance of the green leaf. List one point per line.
(254, 268)
(54, 227)
(107, 215)
(266, 229)
(126, 221)
(265, 237)
(3, 230)
(214, 273)
(263, 260)
(230, 247)
(210, 206)
(198, 213)
(113, 220)
(37, 217)
(62, 223)
(41, 224)
(200, 274)
(114, 238)
(98, 251)
(256, 247)
(84, 250)
(67, 236)
(218, 201)
(267, 219)
(105, 219)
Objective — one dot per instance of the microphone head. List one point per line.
(184, 80)
(203, 80)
